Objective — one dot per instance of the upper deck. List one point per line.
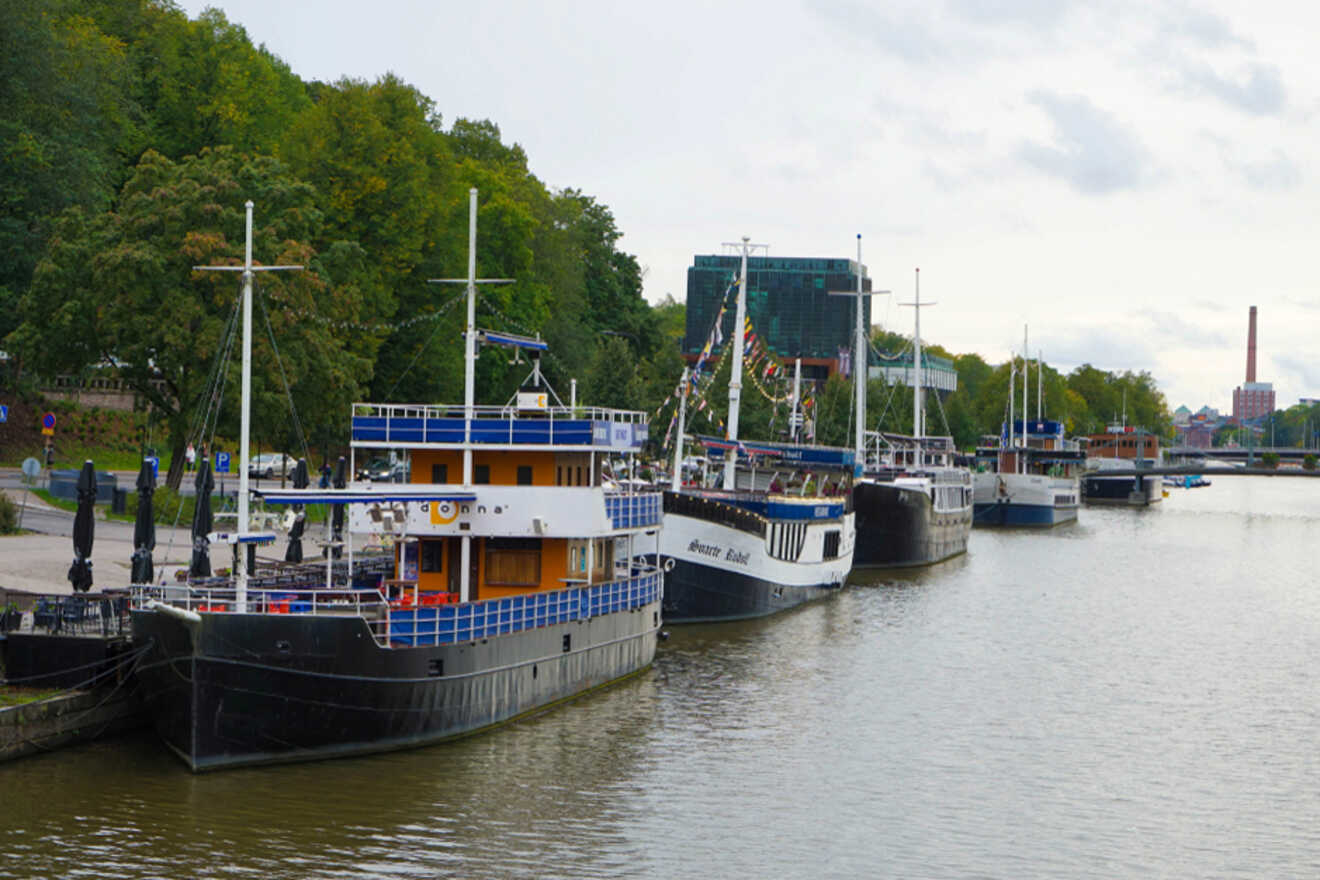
(443, 426)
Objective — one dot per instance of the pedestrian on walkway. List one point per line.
(190, 459)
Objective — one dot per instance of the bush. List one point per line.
(1270, 459)
(165, 504)
(1308, 461)
(8, 516)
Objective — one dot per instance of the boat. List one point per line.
(1035, 484)
(1122, 448)
(516, 580)
(776, 532)
(1028, 475)
(913, 502)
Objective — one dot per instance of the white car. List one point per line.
(271, 464)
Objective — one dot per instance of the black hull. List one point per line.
(257, 689)
(898, 528)
(1123, 491)
(704, 594)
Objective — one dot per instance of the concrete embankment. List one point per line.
(67, 719)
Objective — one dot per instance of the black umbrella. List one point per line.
(294, 553)
(84, 528)
(202, 522)
(144, 529)
(337, 520)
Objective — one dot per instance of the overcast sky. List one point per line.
(1125, 177)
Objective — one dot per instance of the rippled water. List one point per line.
(1133, 695)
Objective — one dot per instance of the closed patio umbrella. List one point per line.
(301, 480)
(84, 528)
(337, 525)
(202, 521)
(144, 528)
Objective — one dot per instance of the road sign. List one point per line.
(4, 412)
(48, 421)
(222, 462)
(155, 466)
(31, 468)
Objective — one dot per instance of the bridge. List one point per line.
(1238, 453)
(1192, 471)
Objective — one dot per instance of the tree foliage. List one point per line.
(131, 135)
(120, 287)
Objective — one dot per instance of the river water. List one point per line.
(1132, 695)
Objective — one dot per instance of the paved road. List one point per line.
(38, 560)
(227, 484)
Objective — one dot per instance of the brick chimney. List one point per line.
(1251, 347)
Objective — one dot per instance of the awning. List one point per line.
(371, 494)
(512, 340)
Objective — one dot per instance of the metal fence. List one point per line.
(450, 624)
(633, 511)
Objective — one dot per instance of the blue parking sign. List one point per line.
(222, 462)
(4, 412)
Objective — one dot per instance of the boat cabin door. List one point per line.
(455, 551)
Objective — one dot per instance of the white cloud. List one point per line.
(1126, 177)
(1091, 150)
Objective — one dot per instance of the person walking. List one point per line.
(190, 458)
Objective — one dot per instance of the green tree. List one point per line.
(202, 83)
(120, 287)
(64, 121)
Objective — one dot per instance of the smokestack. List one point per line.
(1251, 347)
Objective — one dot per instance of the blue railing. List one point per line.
(448, 624)
(633, 511)
(402, 424)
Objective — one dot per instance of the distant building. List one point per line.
(1252, 399)
(789, 303)
(1181, 416)
(1308, 401)
(1199, 436)
(936, 372)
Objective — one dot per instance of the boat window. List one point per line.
(439, 473)
(433, 556)
(482, 476)
(524, 475)
(831, 545)
(579, 476)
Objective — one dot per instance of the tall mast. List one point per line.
(1026, 374)
(735, 376)
(469, 376)
(241, 572)
(676, 480)
(861, 358)
(795, 417)
(470, 352)
(860, 363)
(1012, 384)
(918, 396)
(1040, 386)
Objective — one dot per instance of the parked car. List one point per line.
(382, 470)
(271, 465)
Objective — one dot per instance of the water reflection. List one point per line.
(1130, 695)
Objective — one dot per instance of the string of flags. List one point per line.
(380, 328)
(760, 365)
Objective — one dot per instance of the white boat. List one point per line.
(778, 530)
(1028, 476)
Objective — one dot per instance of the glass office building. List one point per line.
(789, 302)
